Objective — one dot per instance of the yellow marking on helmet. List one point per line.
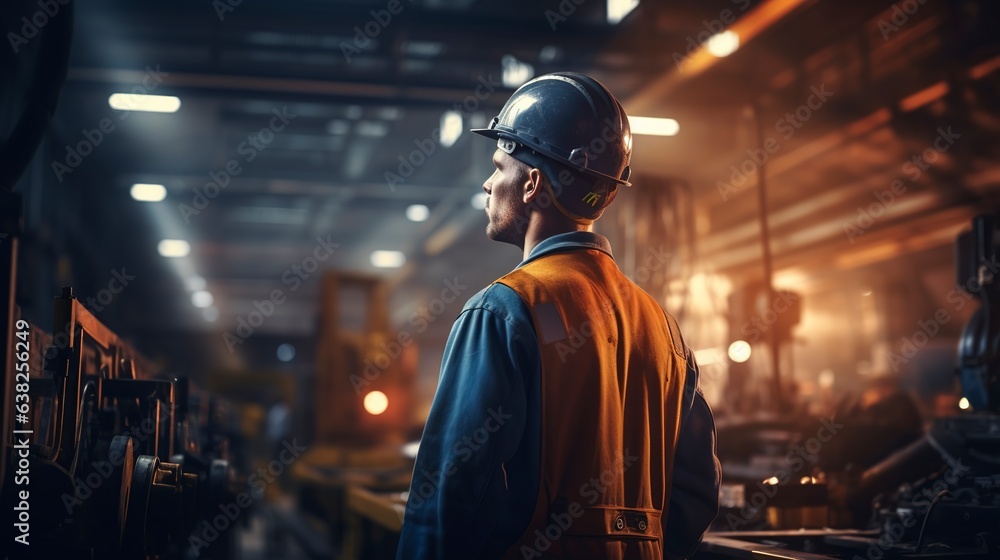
(591, 198)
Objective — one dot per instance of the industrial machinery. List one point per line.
(106, 459)
(937, 496)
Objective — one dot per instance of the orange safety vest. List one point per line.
(612, 381)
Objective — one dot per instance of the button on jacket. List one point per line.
(566, 424)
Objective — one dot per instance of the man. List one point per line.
(567, 421)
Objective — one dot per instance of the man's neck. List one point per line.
(539, 230)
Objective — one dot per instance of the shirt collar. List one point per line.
(569, 240)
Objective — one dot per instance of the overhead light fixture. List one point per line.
(451, 128)
(140, 102)
(963, 403)
(618, 9)
(479, 200)
(739, 351)
(388, 259)
(286, 352)
(514, 72)
(653, 126)
(723, 44)
(195, 283)
(376, 402)
(210, 314)
(148, 192)
(417, 213)
(371, 129)
(202, 299)
(173, 248)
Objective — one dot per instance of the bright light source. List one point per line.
(139, 102)
(723, 44)
(618, 9)
(708, 356)
(201, 298)
(866, 293)
(173, 248)
(195, 283)
(963, 403)
(411, 449)
(479, 200)
(148, 192)
(451, 127)
(417, 212)
(286, 352)
(807, 480)
(826, 378)
(210, 314)
(514, 72)
(388, 259)
(376, 402)
(653, 126)
(739, 351)
(773, 481)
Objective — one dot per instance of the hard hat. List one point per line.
(573, 129)
(572, 119)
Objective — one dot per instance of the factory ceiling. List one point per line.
(307, 129)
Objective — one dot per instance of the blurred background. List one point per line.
(238, 233)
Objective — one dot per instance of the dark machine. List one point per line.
(937, 496)
(107, 458)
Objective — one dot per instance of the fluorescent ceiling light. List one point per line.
(174, 248)
(201, 298)
(148, 192)
(514, 72)
(723, 44)
(479, 200)
(210, 314)
(451, 128)
(388, 259)
(150, 103)
(618, 9)
(195, 283)
(653, 126)
(417, 212)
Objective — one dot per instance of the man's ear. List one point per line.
(532, 185)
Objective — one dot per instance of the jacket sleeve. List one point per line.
(694, 493)
(475, 424)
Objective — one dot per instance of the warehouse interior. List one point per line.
(245, 287)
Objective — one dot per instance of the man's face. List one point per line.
(505, 206)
